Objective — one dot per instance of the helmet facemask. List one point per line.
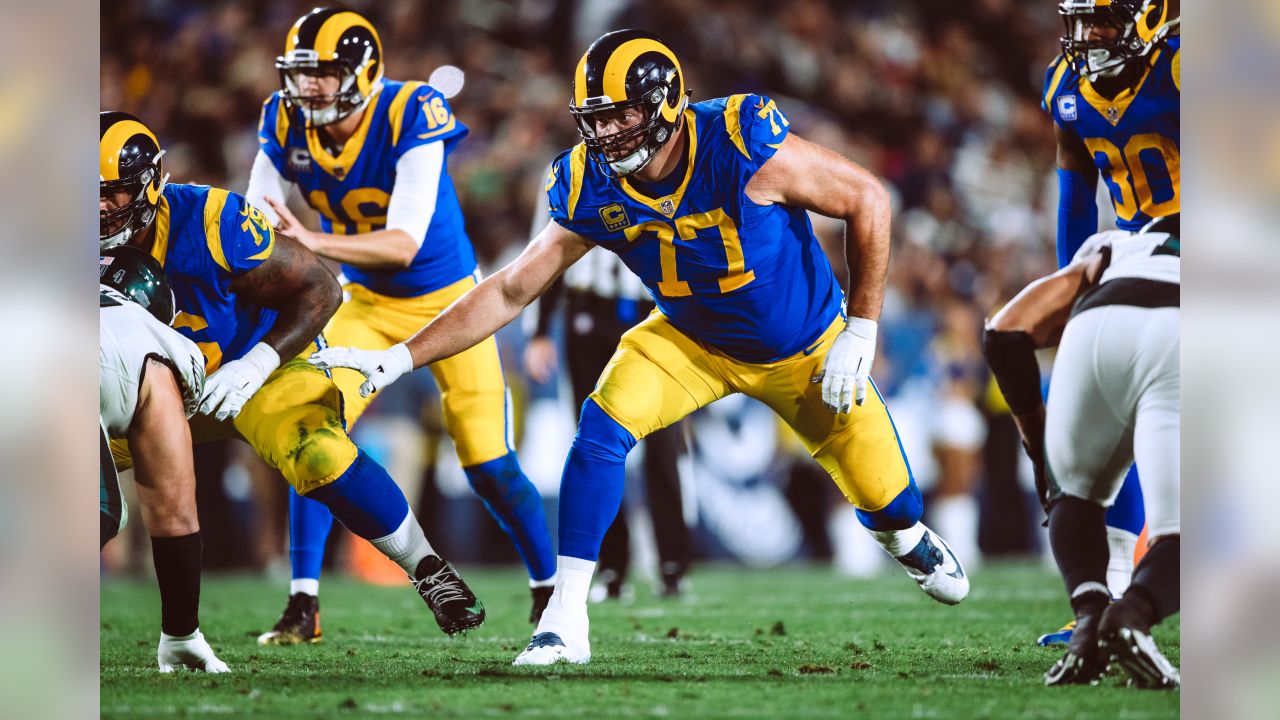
(120, 225)
(1108, 58)
(332, 107)
(613, 152)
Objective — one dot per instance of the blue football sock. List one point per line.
(309, 525)
(1128, 512)
(515, 503)
(902, 512)
(365, 499)
(594, 476)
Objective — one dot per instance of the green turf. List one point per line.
(782, 643)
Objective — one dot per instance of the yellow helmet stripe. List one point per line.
(333, 28)
(615, 70)
(291, 40)
(580, 82)
(112, 143)
(1147, 30)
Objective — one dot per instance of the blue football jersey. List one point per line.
(1133, 138)
(352, 190)
(749, 280)
(204, 237)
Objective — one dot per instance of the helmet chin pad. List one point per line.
(632, 163)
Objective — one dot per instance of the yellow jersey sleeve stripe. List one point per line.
(213, 204)
(1053, 84)
(733, 123)
(282, 122)
(444, 129)
(160, 248)
(577, 169)
(1177, 69)
(396, 112)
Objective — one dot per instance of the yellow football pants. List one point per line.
(294, 423)
(659, 375)
(473, 391)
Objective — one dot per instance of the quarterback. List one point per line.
(707, 204)
(249, 298)
(1114, 95)
(369, 154)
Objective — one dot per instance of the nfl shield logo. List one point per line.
(1113, 115)
(1067, 107)
(668, 207)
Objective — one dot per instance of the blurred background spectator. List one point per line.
(939, 99)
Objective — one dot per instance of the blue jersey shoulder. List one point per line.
(419, 114)
(752, 123)
(233, 233)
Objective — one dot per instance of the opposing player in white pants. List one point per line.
(1114, 314)
(150, 381)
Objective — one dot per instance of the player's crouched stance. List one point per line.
(747, 303)
(1114, 399)
(150, 381)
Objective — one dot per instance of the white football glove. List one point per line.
(847, 368)
(381, 367)
(230, 386)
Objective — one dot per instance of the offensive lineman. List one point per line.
(1114, 400)
(369, 154)
(707, 204)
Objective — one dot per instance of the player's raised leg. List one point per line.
(657, 376)
(294, 422)
(862, 453)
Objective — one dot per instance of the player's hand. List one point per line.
(380, 367)
(540, 358)
(288, 224)
(230, 386)
(847, 369)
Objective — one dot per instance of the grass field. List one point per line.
(792, 642)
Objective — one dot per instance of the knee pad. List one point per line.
(902, 512)
(600, 437)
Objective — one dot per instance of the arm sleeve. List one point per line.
(413, 199)
(266, 181)
(1077, 214)
(273, 131)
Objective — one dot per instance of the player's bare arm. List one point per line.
(802, 174)
(1042, 308)
(810, 176)
(160, 443)
(492, 304)
(478, 314)
(299, 287)
(378, 249)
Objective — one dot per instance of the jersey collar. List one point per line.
(341, 165)
(667, 204)
(1113, 110)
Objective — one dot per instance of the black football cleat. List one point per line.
(299, 624)
(1083, 663)
(1125, 638)
(541, 596)
(454, 605)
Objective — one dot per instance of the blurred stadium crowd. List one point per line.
(939, 99)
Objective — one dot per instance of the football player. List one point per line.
(1114, 96)
(248, 298)
(707, 203)
(150, 379)
(1113, 313)
(369, 155)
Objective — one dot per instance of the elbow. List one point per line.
(874, 196)
(328, 291)
(403, 251)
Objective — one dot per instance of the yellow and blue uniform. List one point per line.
(205, 237)
(746, 302)
(351, 192)
(1134, 138)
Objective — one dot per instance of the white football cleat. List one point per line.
(936, 569)
(191, 651)
(561, 637)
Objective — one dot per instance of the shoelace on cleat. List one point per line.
(440, 588)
